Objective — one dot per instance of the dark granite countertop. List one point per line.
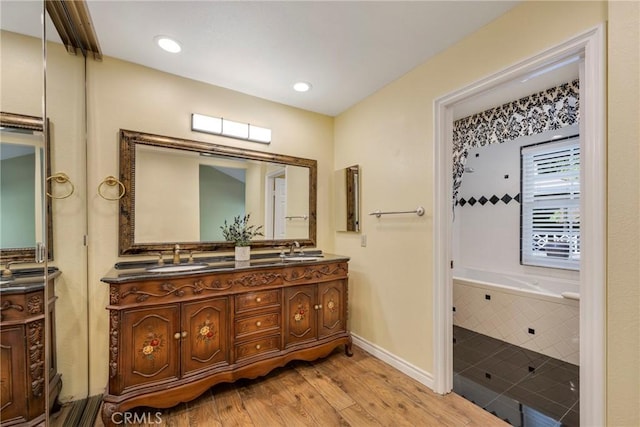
(128, 271)
(26, 280)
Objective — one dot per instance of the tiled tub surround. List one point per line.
(535, 317)
(487, 215)
(522, 387)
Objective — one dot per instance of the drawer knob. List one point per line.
(258, 299)
(258, 346)
(315, 307)
(177, 335)
(258, 323)
(184, 334)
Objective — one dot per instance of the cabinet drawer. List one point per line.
(21, 306)
(256, 347)
(257, 324)
(259, 299)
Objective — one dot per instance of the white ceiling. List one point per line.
(346, 50)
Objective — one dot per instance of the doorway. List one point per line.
(276, 204)
(590, 47)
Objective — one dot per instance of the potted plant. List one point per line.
(240, 233)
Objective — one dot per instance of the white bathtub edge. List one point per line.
(571, 295)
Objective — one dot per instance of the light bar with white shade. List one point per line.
(230, 128)
(206, 124)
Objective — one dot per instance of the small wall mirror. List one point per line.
(23, 156)
(347, 198)
(181, 191)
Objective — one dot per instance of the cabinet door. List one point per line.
(331, 311)
(300, 315)
(150, 345)
(205, 335)
(13, 393)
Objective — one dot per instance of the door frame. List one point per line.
(590, 45)
(269, 202)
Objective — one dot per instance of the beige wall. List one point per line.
(65, 109)
(390, 134)
(623, 248)
(128, 96)
(21, 93)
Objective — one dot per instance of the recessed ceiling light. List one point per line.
(302, 87)
(168, 44)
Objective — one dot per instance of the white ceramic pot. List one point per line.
(243, 253)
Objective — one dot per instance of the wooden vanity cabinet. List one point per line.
(173, 337)
(23, 379)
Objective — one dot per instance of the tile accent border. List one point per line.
(482, 200)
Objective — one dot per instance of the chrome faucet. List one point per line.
(176, 254)
(295, 245)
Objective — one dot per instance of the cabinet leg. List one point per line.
(347, 347)
(108, 409)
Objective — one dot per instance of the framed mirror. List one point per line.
(205, 184)
(24, 156)
(347, 198)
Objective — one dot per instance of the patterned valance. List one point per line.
(553, 108)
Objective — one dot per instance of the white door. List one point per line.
(280, 208)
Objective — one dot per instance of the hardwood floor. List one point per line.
(334, 391)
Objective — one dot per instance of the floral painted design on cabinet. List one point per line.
(206, 332)
(152, 345)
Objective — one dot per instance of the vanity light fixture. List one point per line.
(302, 87)
(259, 134)
(235, 129)
(230, 128)
(168, 44)
(206, 124)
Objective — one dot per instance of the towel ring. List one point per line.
(111, 181)
(61, 178)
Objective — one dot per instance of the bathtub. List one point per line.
(536, 285)
(534, 312)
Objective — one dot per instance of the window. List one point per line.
(550, 209)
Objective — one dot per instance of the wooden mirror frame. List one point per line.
(28, 254)
(129, 140)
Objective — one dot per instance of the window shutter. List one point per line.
(550, 220)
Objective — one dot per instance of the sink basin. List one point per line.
(302, 258)
(175, 268)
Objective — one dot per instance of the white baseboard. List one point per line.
(403, 366)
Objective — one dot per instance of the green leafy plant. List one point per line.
(239, 231)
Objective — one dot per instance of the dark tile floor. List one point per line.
(524, 388)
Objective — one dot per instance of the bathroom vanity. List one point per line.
(173, 335)
(23, 379)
